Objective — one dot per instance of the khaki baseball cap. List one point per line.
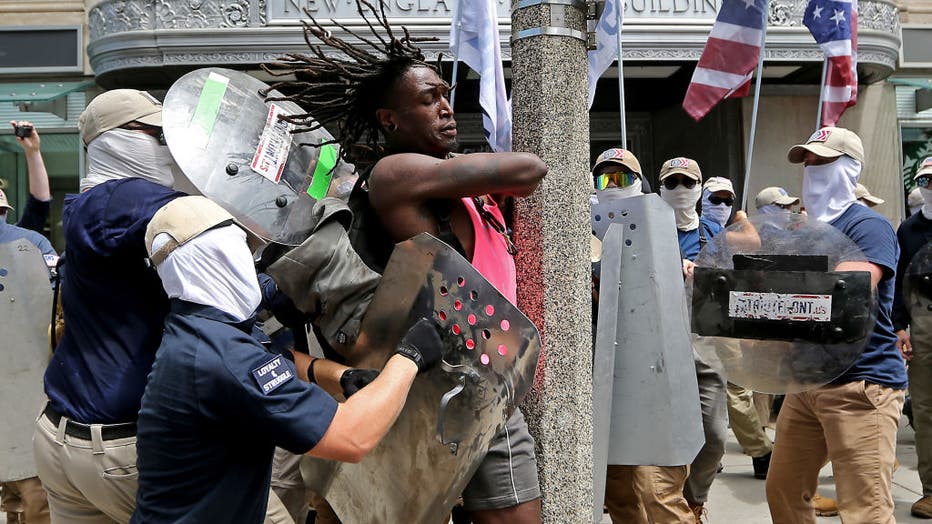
(925, 168)
(862, 192)
(118, 107)
(683, 165)
(717, 183)
(774, 195)
(829, 142)
(622, 157)
(4, 203)
(183, 219)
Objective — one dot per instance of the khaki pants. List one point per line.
(646, 494)
(920, 390)
(27, 499)
(745, 422)
(288, 484)
(853, 425)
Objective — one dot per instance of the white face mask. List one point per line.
(828, 189)
(927, 202)
(3, 217)
(718, 213)
(122, 153)
(773, 209)
(683, 201)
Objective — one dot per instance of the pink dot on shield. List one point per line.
(502, 349)
(470, 344)
(484, 359)
(490, 310)
(457, 305)
(456, 329)
(471, 319)
(505, 325)
(441, 315)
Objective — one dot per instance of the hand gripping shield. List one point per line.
(25, 309)
(235, 149)
(646, 408)
(769, 302)
(452, 412)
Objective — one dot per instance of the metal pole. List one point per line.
(458, 29)
(760, 71)
(621, 77)
(818, 122)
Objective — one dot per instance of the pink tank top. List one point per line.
(490, 252)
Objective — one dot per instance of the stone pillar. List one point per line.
(552, 231)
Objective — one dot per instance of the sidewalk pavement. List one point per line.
(738, 498)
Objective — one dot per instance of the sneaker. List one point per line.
(698, 510)
(922, 508)
(761, 466)
(824, 507)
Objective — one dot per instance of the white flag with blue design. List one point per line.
(606, 38)
(477, 45)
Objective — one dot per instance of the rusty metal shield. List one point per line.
(25, 310)
(452, 413)
(233, 147)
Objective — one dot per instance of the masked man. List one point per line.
(718, 198)
(774, 201)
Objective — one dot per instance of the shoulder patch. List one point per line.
(272, 374)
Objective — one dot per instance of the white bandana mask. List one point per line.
(718, 213)
(828, 189)
(927, 202)
(773, 210)
(683, 201)
(122, 153)
(617, 193)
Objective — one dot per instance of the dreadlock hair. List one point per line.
(341, 92)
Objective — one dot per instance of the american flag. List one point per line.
(729, 58)
(833, 24)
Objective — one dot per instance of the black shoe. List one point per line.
(761, 465)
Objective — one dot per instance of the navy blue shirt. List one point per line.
(114, 304)
(912, 235)
(689, 240)
(216, 406)
(36, 214)
(881, 362)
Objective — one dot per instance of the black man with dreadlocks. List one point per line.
(391, 115)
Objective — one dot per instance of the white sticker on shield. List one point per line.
(780, 306)
(274, 145)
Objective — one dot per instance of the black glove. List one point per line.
(422, 344)
(354, 379)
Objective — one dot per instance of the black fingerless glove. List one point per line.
(422, 344)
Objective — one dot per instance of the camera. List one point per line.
(24, 131)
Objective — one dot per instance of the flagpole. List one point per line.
(621, 77)
(760, 75)
(818, 122)
(457, 28)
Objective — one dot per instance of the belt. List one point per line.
(83, 431)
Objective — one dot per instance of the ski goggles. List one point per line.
(620, 178)
(923, 182)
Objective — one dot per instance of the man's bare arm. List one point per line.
(38, 176)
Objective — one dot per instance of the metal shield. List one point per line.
(768, 303)
(917, 283)
(452, 413)
(25, 312)
(233, 147)
(646, 408)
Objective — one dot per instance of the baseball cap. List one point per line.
(861, 192)
(925, 168)
(717, 183)
(4, 203)
(118, 107)
(829, 142)
(617, 155)
(774, 195)
(183, 219)
(683, 165)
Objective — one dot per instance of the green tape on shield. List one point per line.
(208, 105)
(323, 173)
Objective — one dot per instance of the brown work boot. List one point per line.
(698, 511)
(922, 508)
(824, 507)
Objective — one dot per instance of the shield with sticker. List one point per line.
(234, 148)
(777, 301)
(25, 310)
(490, 354)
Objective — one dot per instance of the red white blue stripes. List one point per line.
(833, 24)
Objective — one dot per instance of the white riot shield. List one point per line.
(236, 149)
(768, 302)
(452, 413)
(25, 313)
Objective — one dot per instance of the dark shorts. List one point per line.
(508, 474)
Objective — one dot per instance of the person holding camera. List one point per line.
(39, 201)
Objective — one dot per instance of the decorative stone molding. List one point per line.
(118, 16)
